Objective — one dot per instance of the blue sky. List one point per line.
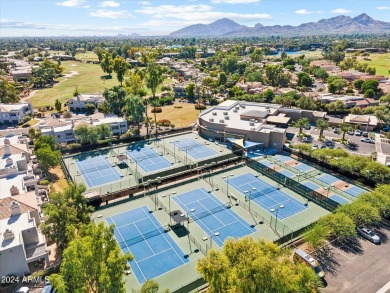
(159, 17)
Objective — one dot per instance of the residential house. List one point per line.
(77, 104)
(14, 113)
(366, 122)
(22, 244)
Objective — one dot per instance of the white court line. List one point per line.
(341, 252)
(385, 288)
(133, 222)
(163, 234)
(146, 258)
(120, 234)
(144, 238)
(176, 197)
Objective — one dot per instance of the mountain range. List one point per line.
(362, 24)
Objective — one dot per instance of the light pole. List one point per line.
(174, 149)
(74, 177)
(276, 214)
(186, 150)
(169, 204)
(248, 198)
(70, 164)
(188, 227)
(216, 234)
(227, 186)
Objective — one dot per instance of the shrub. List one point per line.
(200, 107)
(73, 145)
(44, 182)
(25, 119)
(172, 126)
(178, 107)
(67, 114)
(156, 110)
(164, 122)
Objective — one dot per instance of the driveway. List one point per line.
(357, 266)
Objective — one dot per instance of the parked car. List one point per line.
(307, 127)
(365, 134)
(329, 143)
(323, 147)
(307, 139)
(48, 288)
(23, 290)
(368, 140)
(336, 130)
(358, 132)
(368, 234)
(351, 132)
(386, 129)
(314, 147)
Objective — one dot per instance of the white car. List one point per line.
(358, 133)
(368, 234)
(368, 140)
(23, 290)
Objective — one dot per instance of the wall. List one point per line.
(15, 260)
(30, 236)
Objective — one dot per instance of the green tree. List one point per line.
(320, 73)
(301, 123)
(370, 84)
(385, 99)
(283, 55)
(93, 262)
(369, 93)
(120, 67)
(316, 236)
(306, 103)
(344, 128)
(150, 286)
(322, 125)
(107, 64)
(134, 83)
(115, 98)
(89, 108)
(339, 225)
(154, 77)
(45, 141)
(8, 92)
(336, 84)
(268, 95)
(304, 79)
(356, 110)
(134, 110)
(190, 91)
(103, 131)
(66, 212)
(247, 265)
(155, 103)
(358, 84)
(48, 157)
(57, 105)
(222, 78)
(82, 133)
(256, 55)
(361, 213)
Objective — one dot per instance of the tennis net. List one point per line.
(188, 146)
(209, 212)
(142, 237)
(84, 170)
(138, 158)
(259, 193)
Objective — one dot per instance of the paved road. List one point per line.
(357, 267)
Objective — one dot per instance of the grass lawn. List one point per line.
(181, 117)
(88, 79)
(88, 55)
(380, 61)
(60, 182)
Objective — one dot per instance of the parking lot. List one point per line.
(361, 148)
(357, 266)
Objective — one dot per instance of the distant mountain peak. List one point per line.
(336, 25)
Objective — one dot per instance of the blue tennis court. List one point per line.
(97, 171)
(303, 167)
(267, 163)
(212, 215)
(328, 179)
(355, 191)
(311, 185)
(139, 232)
(148, 159)
(194, 149)
(338, 199)
(282, 158)
(267, 196)
(287, 173)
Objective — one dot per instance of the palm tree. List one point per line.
(155, 103)
(301, 123)
(322, 125)
(344, 128)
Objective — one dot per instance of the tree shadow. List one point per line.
(351, 245)
(328, 262)
(106, 77)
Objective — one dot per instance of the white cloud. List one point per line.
(194, 14)
(234, 1)
(111, 13)
(145, 3)
(71, 3)
(305, 11)
(383, 8)
(109, 4)
(341, 10)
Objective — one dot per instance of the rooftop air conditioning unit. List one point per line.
(226, 117)
(251, 123)
(235, 110)
(252, 128)
(215, 113)
(221, 121)
(243, 106)
(211, 120)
